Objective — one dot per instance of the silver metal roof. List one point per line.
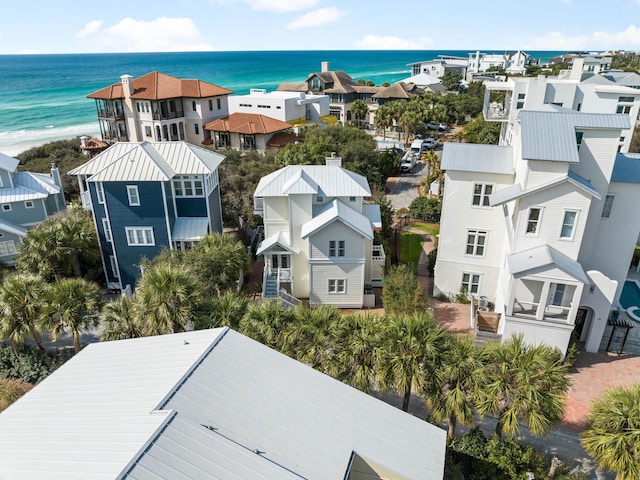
(338, 211)
(372, 212)
(515, 191)
(8, 163)
(11, 227)
(149, 161)
(281, 239)
(29, 186)
(190, 228)
(469, 157)
(331, 181)
(551, 136)
(209, 404)
(626, 168)
(542, 257)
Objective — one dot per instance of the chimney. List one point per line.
(333, 160)
(324, 66)
(127, 85)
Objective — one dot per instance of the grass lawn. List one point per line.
(410, 247)
(431, 228)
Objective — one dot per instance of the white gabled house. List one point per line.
(544, 225)
(319, 235)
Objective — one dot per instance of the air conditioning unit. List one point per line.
(483, 303)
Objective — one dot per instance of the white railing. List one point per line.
(284, 275)
(520, 307)
(377, 253)
(530, 309)
(290, 299)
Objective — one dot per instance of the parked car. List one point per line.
(437, 126)
(408, 162)
(417, 146)
(429, 143)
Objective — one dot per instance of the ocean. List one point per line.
(43, 97)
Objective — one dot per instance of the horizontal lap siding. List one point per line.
(150, 213)
(351, 272)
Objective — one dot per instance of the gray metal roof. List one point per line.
(469, 157)
(543, 257)
(190, 228)
(280, 239)
(338, 211)
(149, 161)
(626, 168)
(11, 227)
(372, 212)
(551, 136)
(29, 186)
(331, 181)
(8, 163)
(209, 404)
(515, 191)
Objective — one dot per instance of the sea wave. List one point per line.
(16, 141)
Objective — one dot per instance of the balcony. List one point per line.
(258, 206)
(550, 313)
(111, 114)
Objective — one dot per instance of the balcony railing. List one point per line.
(377, 254)
(530, 310)
(111, 114)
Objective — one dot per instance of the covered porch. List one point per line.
(277, 275)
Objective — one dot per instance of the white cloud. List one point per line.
(381, 42)
(162, 34)
(317, 18)
(624, 40)
(29, 51)
(89, 29)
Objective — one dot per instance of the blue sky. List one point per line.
(76, 26)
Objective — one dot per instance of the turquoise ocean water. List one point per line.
(43, 97)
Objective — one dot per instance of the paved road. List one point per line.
(406, 186)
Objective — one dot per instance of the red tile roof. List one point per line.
(247, 123)
(159, 86)
(280, 139)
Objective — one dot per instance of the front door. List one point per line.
(581, 317)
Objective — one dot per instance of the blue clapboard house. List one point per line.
(147, 196)
(26, 199)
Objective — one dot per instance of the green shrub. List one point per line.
(426, 209)
(29, 366)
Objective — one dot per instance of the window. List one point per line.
(352, 199)
(147, 131)
(621, 139)
(534, 219)
(470, 283)
(6, 207)
(558, 294)
(568, 224)
(99, 192)
(114, 266)
(623, 109)
(193, 105)
(132, 193)
(315, 83)
(337, 286)
(319, 199)
(626, 99)
(608, 204)
(579, 136)
(481, 192)
(476, 240)
(139, 236)
(520, 103)
(28, 204)
(219, 104)
(7, 248)
(188, 186)
(196, 128)
(210, 104)
(336, 248)
(107, 229)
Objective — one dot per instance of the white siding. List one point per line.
(539, 173)
(354, 242)
(352, 273)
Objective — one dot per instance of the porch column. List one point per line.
(511, 296)
(575, 304)
(544, 300)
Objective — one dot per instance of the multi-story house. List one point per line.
(157, 107)
(443, 64)
(343, 91)
(249, 131)
(297, 108)
(148, 196)
(319, 235)
(543, 226)
(26, 199)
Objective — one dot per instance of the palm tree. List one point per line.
(612, 437)
(384, 118)
(407, 354)
(265, 321)
(226, 310)
(21, 302)
(166, 299)
(523, 383)
(218, 260)
(359, 109)
(307, 337)
(120, 321)
(449, 393)
(355, 339)
(73, 305)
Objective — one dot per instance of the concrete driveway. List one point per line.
(405, 187)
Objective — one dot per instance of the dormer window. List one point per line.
(314, 84)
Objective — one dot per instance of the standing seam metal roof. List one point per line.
(626, 168)
(469, 157)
